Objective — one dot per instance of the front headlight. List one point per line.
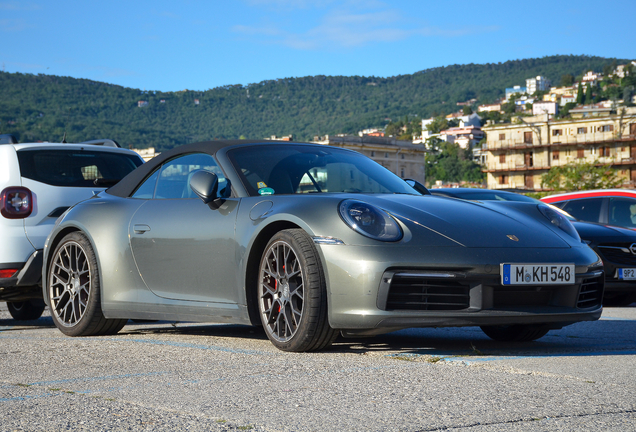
(369, 221)
(559, 221)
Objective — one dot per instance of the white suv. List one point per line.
(38, 182)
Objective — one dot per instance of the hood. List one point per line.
(599, 233)
(474, 224)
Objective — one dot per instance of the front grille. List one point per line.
(418, 292)
(591, 292)
(615, 253)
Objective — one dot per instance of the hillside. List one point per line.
(43, 107)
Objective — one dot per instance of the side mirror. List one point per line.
(417, 186)
(205, 185)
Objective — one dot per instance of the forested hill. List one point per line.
(43, 107)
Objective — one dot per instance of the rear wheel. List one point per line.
(26, 310)
(292, 294)
(515, 333)
(74, 290)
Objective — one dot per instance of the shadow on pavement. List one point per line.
(605, 337)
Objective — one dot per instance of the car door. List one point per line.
(622, 212)
(183, 249)
(586, 209)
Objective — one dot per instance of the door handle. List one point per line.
(140, 228)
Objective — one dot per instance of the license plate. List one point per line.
(627, 274)
(538, 274)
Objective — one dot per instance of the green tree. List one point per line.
(589, 97)
(579, 94)
(628, 92)
(393, 129)
(567, 80)
(437, 125)
(565, 110)
(581, 176)
(450, 163)
(467, 110)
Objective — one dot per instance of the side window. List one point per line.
(585, 209)
(622, 212)
(173, 178)
(147, 188)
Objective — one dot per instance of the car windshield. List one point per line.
(296, 169)
(76, 168)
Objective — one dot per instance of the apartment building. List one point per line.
(518, 154)
(400, 157)
(539, 83)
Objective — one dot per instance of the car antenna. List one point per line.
(68, 115)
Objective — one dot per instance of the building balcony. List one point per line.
(560, 140)
(509, 168)
(515, 168)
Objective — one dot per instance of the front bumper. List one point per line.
(26, 284)
(372, 291)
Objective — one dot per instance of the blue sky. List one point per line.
(198, 45)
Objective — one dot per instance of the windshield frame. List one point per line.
(265, 160)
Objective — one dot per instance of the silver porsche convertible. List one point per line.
(310, 242)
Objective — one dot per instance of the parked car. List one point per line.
(38, 183)
(616, 246)
(310, 241)
(611, 206)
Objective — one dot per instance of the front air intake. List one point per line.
(422, 292)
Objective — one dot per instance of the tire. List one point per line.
(26, 310)
(292, 294)
(515, 333)
(74, 290)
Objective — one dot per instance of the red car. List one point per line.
(611, 206)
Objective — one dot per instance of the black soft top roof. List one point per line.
(127, 185)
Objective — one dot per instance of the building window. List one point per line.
(503, 179)
(557, 132)
(607, 128)
(605, 151)
(502, 137)
(555, 155)
(386, 155)
(502, 158)
(581, 130)
(593, 151)
(372, 153)
(402, 155)
(402, 172)
(527, 137)
(580, 153)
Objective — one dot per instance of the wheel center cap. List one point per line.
(75, 284)
(284, 290)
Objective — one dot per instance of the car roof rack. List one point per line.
(102, 142)
(8, 139)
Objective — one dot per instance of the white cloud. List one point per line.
(340, 28)
(14, 25)
(16, 6)
(24, 66)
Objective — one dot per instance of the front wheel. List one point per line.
(292, 294)
(26, 310)
(74, 290)
(515, 333)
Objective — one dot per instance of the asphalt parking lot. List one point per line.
(205, 377)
